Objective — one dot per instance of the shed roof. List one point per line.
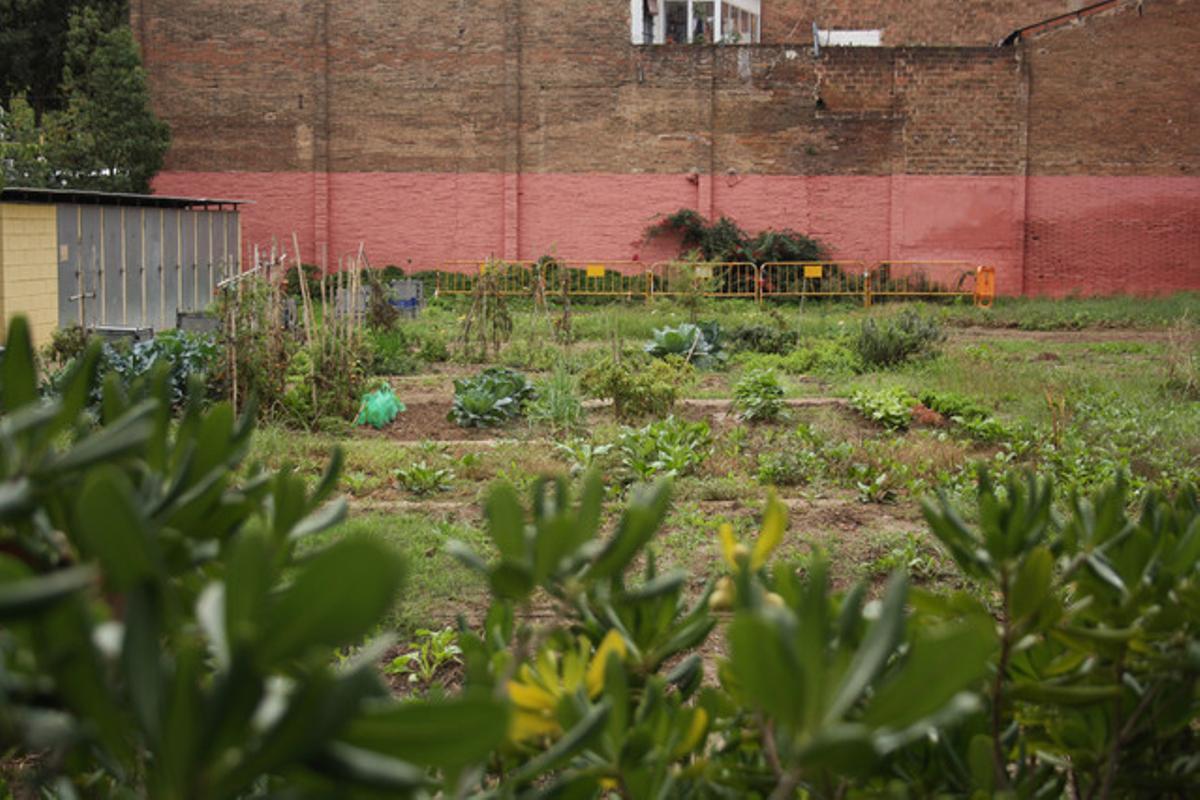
(17, 194)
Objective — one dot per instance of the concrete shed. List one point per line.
(106, 260)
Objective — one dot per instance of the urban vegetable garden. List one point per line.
(693, 548)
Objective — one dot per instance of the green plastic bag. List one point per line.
(379, 408)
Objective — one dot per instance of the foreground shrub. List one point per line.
(490, 398)
(638, 387)
(758, 396)
(892, 341)
(160, 636)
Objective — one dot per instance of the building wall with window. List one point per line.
(435, 132)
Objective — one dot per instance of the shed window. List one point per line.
(696, 21)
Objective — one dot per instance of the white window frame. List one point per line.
(848, 38)
(637, 21)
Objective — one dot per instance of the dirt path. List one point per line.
(975, 334)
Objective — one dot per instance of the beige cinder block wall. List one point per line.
(29, 267)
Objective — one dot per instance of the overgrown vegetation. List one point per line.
(724, 241)
(758, 396)
(894, 340)
(638, 387)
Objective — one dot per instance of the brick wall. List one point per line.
(1114, 151)
(910, 22)
(481, 85)
(515, 127)
(29, 267)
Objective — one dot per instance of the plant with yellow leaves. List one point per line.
(553, 676)
(741, 558)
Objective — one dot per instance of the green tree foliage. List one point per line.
(22, 146)
(108, 138)
(99, 131)
(33, 43)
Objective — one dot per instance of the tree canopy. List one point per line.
(95, 128)
(33, 45)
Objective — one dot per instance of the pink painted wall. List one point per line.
(1104, 235)
(1086, 235)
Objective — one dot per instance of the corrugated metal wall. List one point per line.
(136, 267)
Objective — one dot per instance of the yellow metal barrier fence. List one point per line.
(516, 278)
(709, 279)
(901, 279)
(802, 279)
(773, 280)
(597, 278)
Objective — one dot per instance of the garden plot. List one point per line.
(837, 527)
(850, 448)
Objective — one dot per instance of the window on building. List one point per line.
(847, 38)
(696, 21)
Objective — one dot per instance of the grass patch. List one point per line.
(437, 587)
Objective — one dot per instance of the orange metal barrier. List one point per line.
(715, 279)
(813, 279)
(985, 286)
(516, 278)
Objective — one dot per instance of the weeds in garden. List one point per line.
(557, 405)
(422, 479)
(894, 340)
(427, 655)
(758, 396)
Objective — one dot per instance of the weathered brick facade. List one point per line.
(436, 131)
(912, 22)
